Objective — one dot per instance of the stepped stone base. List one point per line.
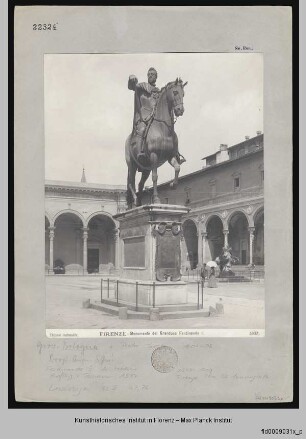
(145, 312)
(234, 279)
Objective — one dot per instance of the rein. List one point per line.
(174, 118)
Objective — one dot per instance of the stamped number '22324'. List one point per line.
(45, 26)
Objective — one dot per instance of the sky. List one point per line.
(89, 109)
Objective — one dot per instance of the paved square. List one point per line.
(243, 306)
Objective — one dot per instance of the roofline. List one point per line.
(208, 168)
(233, 146)
(246, 140)
(211, 155)
(57, 184)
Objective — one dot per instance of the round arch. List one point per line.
(48, 217)
(190, 232)
(101, 242)
(258, 245)
(213, 215)
(238, 237)
(68, 242)
(47, 241)
(258, 212)
(215, 237)
(72, 212)
(238, 211)
(192, 220)
(100, 212)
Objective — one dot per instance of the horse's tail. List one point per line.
(129, 197)
(128, 157)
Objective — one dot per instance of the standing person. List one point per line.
(212, 283)
(203, 273)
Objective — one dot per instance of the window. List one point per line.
(236, 183)
(213, 191)
(241, 152)
(188, 195)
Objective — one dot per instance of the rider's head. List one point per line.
(152, 76)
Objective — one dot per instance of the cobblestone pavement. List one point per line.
(243, 306)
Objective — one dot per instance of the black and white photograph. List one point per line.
(154, 192)
(153, 218)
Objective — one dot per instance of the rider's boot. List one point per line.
(141, 156)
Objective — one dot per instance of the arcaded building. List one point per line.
(226, 201)
(80, 232)
(225, 197)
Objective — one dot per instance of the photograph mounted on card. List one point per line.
(165, 226)
(153, 226)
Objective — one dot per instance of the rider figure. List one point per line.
(146, 96)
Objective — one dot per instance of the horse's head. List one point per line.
(175, 95)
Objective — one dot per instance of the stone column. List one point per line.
(204, 247)
(225, 233)
(200, 249)
(85, 238)
(183, 254)
(51, 237)
(117, 249)
(78, 247)
(251, 230)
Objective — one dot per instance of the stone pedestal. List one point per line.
(149, 241)
(147, 293)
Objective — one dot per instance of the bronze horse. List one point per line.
(160, 143)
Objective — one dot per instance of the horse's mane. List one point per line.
(179, 80)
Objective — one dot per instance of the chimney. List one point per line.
(247, 137)
(222, 155)
(258, 133)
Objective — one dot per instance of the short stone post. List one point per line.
(219, 308)
(123, 313)
(212, 311)
(86, 303)
(154, 314)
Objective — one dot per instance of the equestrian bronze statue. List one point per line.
(153, 140)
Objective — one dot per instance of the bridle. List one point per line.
(176, 103)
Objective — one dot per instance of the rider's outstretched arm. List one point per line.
(132, 82)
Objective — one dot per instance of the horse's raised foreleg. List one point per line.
(144, 176)
(154, 164)
(173, 162)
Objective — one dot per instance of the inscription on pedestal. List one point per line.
(150, 243)
(168, 255)
(134, 252)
